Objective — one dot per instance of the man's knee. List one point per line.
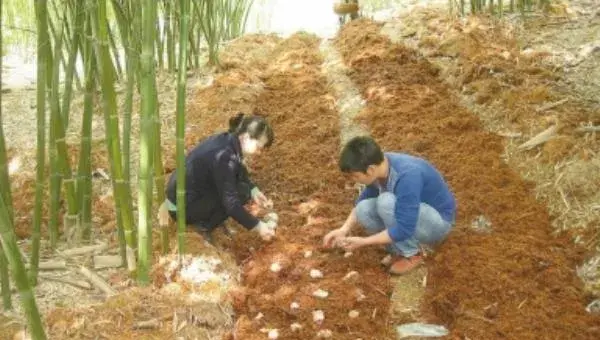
(365, 210)
(385, 203)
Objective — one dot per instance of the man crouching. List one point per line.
(406, 203)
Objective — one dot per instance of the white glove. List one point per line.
(266, 230)
(272, 216)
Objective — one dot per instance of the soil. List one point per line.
(295, 99)
(519, 267)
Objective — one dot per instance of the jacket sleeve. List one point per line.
(245, 176)
(406, 211)
(224, 172)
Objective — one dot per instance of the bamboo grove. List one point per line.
(497, 7)
(88, 48)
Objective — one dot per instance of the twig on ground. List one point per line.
(588, 129)
(540, 138)
(477, 317)
(152, 323)
(51, 265)
(551, 105)
(97, 281)
(84, 250)
(75, 283)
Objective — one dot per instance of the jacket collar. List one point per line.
(234, 141)
(392, 175)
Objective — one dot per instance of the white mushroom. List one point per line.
(295, 327)
(275, 267)
(387, 260)
(353, 314)
(307, 254)
(316, 274)
(320, 293)
(273, 334)
(360, 295)
(294, 305)
(351, 277)
(318, 316)
(324, 333)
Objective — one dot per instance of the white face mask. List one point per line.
(252, 146)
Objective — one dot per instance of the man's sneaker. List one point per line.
(405, 264)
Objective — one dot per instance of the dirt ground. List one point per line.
(295, 99)
(518, 267)
(465, 95)
(523, 78)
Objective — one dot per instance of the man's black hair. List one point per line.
(359, 153)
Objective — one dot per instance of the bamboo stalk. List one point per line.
(180, 127)
(55, 184)
(210, 27)
(123, 18)
(169, 32)
(56, 119)
(79, 17)
(5, 188)
(159, 46)
(52, 27)
(122, 191)
(148, 109)
(84, 170)
(8, 240)
(159, 171)
(5, 194)
(117, 64)
(159, 177)
(55, 179)
(5, 282)
(43, 54)
(193, 42)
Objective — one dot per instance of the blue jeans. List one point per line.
(377, 214)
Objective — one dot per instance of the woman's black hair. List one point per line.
(255, 125)
(360, 153)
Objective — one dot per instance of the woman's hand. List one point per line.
(260, 199)
(266, 230)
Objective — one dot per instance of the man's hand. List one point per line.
(352, 243)
(333, 237)
(266, 230)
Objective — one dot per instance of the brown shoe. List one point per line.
(405, 264)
